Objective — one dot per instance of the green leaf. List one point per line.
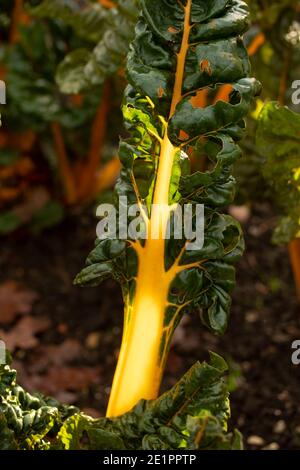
(165, 423)
(95, 274)
(25, 419)
(71, 434)
(197, 121)
(192, 415)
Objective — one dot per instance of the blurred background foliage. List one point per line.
(276, 64)
(57, 150)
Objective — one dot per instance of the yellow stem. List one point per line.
(142, 355)
(138, 372)
(64, 164)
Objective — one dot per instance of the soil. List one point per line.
(265, 321)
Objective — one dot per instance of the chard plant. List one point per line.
(179, 50)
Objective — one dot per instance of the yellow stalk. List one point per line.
(140, 365)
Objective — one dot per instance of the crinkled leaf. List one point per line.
(27, 421)
(192, 415)
(216, 128)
